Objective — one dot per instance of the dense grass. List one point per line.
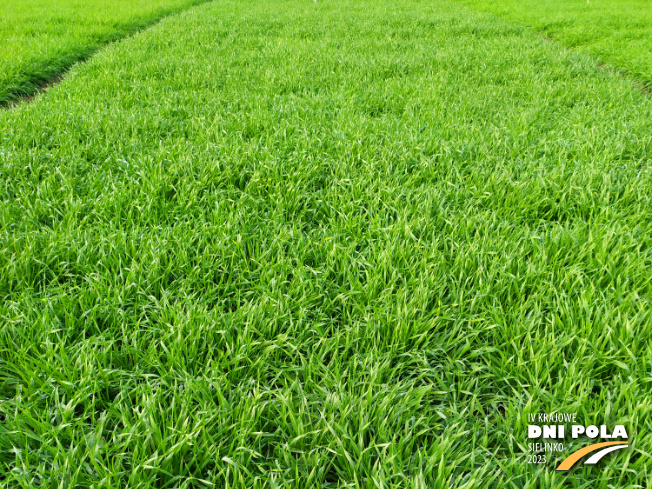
(325, 244)
(618, 32)
(39, 39)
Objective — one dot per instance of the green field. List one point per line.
(324, 244)
(40, 39)
(618, 32)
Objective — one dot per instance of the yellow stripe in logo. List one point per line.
(575, 456)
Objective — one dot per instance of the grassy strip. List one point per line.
(332, 244)
(40, 39)
(618, 32)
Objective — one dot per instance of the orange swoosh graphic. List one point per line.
(575, 456)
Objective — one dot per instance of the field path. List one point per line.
(41, 39)
(615, 32)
